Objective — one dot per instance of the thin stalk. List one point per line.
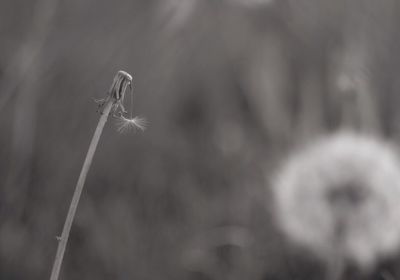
(63, 239)
(113, 101)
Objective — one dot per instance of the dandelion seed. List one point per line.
(131, 124)
(340, 197)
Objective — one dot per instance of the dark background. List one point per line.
(228, 88)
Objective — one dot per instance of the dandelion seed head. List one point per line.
(342, 192)
(131, 124)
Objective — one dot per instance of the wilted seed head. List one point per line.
(117, 90)
(342, 196)
(120, 83)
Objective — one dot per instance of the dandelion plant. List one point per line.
(112, 103)
(339, 199)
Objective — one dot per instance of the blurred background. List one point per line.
(228, 87)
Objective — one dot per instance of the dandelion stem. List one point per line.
(78, 191)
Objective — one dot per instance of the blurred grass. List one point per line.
(227, 90)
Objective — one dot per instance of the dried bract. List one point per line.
(117, 91)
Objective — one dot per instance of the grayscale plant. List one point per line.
(339, 199)
(112, 102)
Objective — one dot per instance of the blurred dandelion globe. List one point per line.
(341, 196)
